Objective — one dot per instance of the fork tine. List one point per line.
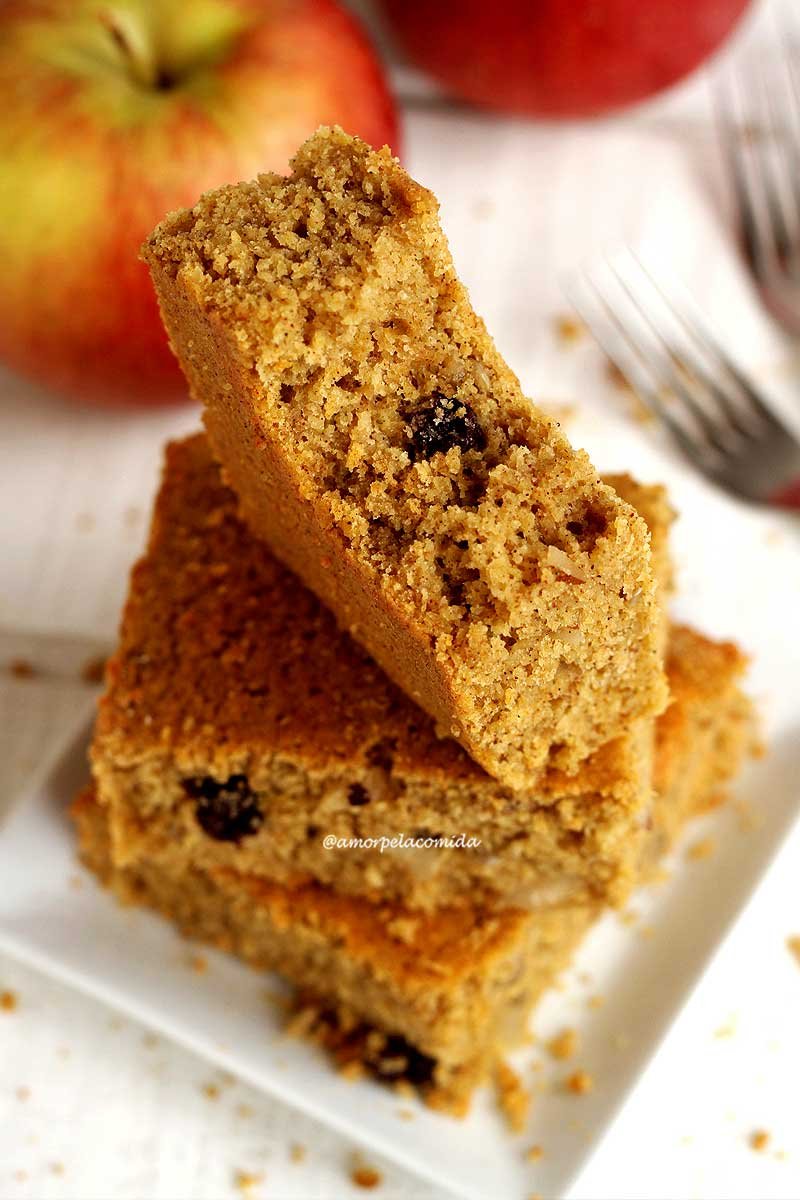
(791, 142)
(771, 178)
(702, 335)
(700, 339)
(732, 149)
(642, 366)
(714, 431)
(762, 466)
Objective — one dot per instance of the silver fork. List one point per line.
(685, 377)
(757, 114)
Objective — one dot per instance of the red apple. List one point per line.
(560, 58)
(115, 112)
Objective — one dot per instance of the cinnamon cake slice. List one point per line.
(241, 728)
(381, 446)
(434, 998)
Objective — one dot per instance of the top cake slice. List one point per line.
(384, 450)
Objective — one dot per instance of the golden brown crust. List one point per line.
(704, 735)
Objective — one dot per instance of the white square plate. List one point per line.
(135, 961)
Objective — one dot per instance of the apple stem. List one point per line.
(132, 42)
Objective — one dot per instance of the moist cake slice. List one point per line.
(240, 728)
(448, 988)
(445, 993)
(380, 445)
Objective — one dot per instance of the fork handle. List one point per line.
(787, 497)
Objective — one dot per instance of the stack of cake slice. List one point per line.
(257, 777)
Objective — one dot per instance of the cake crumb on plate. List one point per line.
(568, 329)
(564, 1045)
(759, 1140)
(513, 1097)
(727, 1030)
(701, 850)
(580, 1083)
(363, 1175)
(245, 1181)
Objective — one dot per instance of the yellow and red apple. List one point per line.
(117, 111)
(560, 58)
